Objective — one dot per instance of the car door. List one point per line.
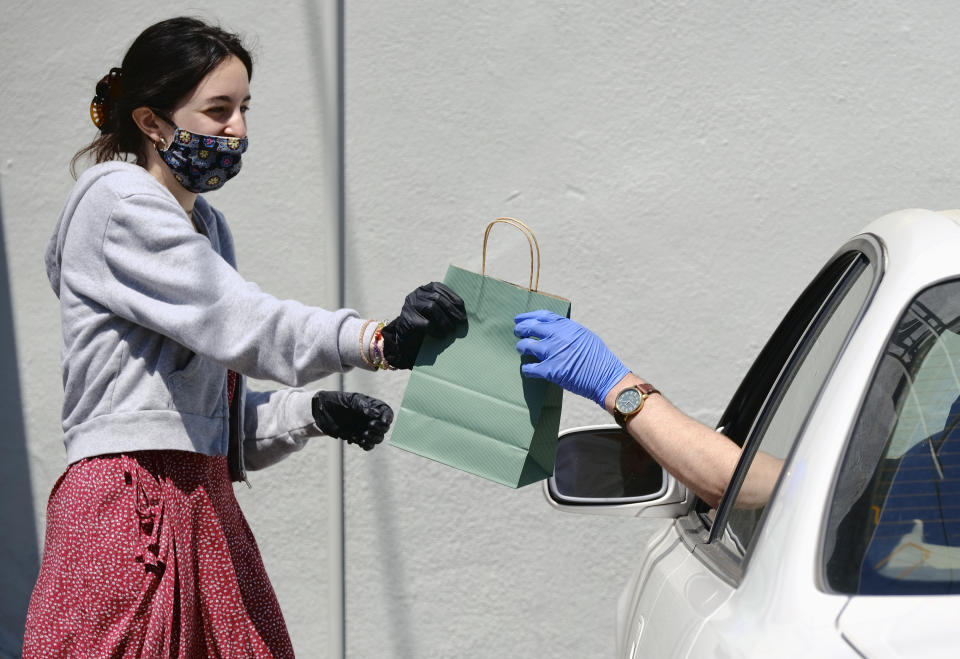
(689, 572)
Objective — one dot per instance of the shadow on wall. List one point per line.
(18, 552)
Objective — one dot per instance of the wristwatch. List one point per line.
(630, 401)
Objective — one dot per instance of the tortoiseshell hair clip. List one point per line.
(108, 91)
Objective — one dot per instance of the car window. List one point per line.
(753, 394)
(791, 396)
(894, 524)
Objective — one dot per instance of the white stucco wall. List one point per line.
(687, 168)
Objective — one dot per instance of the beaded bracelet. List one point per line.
(363, 355)
(379, 359)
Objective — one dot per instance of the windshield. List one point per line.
(894, 526)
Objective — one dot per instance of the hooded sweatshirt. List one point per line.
(153, 313)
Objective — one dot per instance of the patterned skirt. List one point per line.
(148, 554)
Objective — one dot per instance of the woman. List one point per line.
(146, 551)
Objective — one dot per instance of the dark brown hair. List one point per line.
(162, 66)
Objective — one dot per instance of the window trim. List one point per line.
(865, 250)
(694, 531)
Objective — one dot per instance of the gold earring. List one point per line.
(162, 142)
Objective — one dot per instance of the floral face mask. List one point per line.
(202, 163)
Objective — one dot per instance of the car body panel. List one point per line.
(685, 602)
(657, 595)
(914, 626)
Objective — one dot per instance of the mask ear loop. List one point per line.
(161, 143)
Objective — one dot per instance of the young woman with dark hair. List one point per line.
(163, 65)
(147, 552)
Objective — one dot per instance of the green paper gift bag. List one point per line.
(467, 405)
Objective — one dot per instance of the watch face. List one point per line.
(629, 400)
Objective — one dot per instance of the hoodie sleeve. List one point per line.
(159, 273)
(276, 424)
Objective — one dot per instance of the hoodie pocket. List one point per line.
(199, 387)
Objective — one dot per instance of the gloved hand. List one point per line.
(431, 309)
(354, 418)
(570, 355)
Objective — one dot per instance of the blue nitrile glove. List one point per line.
(570, 355)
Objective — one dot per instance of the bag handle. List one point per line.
(531, 240)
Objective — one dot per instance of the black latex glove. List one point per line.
(432, 309)
(352, 417)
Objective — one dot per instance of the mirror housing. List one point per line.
(602, 470)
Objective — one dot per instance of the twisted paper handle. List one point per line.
(531, 240)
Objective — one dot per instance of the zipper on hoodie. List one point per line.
(235, 432)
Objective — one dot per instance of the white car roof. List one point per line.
(920, 247)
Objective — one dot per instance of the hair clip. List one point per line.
(108, 91)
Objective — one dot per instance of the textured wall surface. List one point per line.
(687, 168)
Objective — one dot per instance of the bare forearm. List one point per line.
(698, 456)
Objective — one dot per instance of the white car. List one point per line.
(857, 552)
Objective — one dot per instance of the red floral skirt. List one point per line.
(148, 554)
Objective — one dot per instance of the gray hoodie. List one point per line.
(153, 314)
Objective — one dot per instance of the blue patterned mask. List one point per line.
(202, 163)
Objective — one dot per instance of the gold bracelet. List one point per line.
(365, 358)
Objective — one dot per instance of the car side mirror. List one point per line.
(601, 469)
